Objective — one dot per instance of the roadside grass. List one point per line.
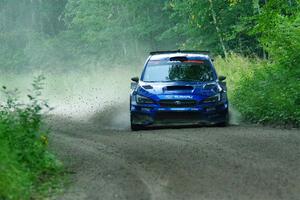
(263, 92)
(27, 169)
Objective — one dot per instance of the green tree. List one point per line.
(216, 25)
(22, 23)
(116, 27)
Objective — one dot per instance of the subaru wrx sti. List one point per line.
(178, 88)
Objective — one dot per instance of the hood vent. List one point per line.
(147, 87)
(178, 87)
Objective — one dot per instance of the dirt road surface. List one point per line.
(236, 162)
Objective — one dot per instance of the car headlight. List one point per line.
(143, 100)
(213, 99)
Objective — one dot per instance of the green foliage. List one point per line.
(274, 88)
(262, 91)
(200, 29)
(280, 34)
(46, 32)
(20, 22)
(24, 158)
(269, 91)
(234, 67)
(14, 178)
(115, 29)
(269, 95)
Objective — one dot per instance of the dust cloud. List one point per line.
(235, 116)
(98, 95)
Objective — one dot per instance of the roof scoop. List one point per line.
(179, 58)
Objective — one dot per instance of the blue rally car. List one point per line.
(178, 88)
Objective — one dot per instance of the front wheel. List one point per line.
(222, 124)
(134, 127)
(226, 122)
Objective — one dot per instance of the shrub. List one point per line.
(269, 95)
(24, 158)
(14, 179)
(234, 67)
(262, 91)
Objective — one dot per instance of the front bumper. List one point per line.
(147, 115)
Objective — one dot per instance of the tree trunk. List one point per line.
(213, 13)
(257, 6)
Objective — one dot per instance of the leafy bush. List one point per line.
(269, 95)
(262, 91)
(24, 159)
(269, 92)
(234, 67)
(14, 179)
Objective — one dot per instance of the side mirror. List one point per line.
(222, 78)
(135, 79)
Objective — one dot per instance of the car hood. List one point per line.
(178, 90)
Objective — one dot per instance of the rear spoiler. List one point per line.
(179, 51)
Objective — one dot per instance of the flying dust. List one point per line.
(98, 96)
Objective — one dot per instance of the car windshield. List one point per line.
(198, 71)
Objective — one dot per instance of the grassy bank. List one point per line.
(263, 92)
(27, 169)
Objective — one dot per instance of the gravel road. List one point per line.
(237, 162)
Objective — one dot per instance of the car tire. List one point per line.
(135, 127)
(222, 124)
(225, 123)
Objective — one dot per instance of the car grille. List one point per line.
(178, 103)
(177, 116)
